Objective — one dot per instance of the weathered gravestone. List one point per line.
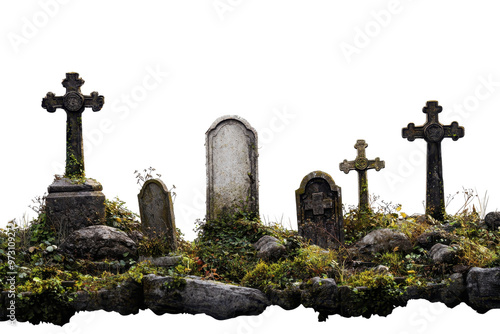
(73, 201)
(319, 210)
(157, 213)
(361, 164)
(433, 133)
(232, 169)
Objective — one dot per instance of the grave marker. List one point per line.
(74, 202)
(157, 213)
(319, 210)
(361, 164)
(232, 167)
(433, 133)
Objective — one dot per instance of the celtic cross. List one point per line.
(361, 164)
(74, 103)
(433, 133)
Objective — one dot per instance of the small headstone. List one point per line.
(433, 133)
(74, 202)
(319, 210)
(232, 168)
(157, 213)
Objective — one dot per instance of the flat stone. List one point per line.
(218, 300)
(67, 185)
(163, 261)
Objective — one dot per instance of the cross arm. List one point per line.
(52, 102)
(94, 101)
(346, 166)
(377, 164)
(411, 132)
(454, 131)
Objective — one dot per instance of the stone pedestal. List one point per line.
(71, 206)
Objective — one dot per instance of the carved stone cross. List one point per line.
(74, 103)
(361, 165)
(318, 204)
(433, 133)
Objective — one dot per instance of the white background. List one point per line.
(311, 76)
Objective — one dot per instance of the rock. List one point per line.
(483, 288)
(428, 239)
(269, 248)
(454, 293)
(137, 236)
(218, 300)
(380, 269)
(98, 243)
(492, 220)
(440, 253)
(164, 261)
(322, 294)
(287, 299)
(126, 298)
(383, 240)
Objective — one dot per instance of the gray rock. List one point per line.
(380, 269)
(269, 248)
(98, 243)
(440, 253)
(483, 288)
(126, 298)
(492, 220)
(383, 240)
(164, 261)
(322, 294)
(454, 293)
(428, 239)
(218, 300)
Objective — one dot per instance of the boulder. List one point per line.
(492, 220)
(126, 298)
(269, 248)
(440, 253)
(218, 300)
(428, 239)
(322, 294)
(381, 241)
(99, 242)
(483, 288)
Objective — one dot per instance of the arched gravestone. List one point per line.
(232, 168)
(319, 210)
(157, 213)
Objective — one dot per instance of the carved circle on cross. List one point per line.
(361, 163)
(434, 132)
(73, 101)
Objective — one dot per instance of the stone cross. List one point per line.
(433, 133)
(74, 103)
(319, 210)
(361, 164)
(232, 168)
